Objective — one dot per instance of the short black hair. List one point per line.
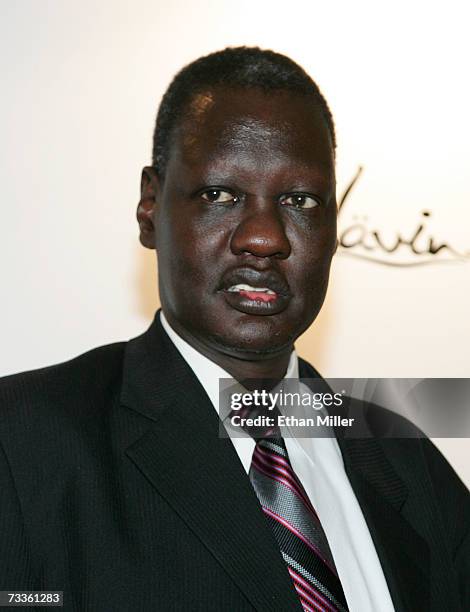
(246, 67)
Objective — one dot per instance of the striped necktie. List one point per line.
(296, 527)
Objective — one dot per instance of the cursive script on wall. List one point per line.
(412, 247)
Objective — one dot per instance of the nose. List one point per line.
(261, 231)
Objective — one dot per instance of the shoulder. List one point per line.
(385, 441)
(72, 383)
(55, 430)
(437, 495)
(56, 420)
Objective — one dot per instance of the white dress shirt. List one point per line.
(318, 464)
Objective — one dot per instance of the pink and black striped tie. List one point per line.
(296, 527)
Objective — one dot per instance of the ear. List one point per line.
(149, 188)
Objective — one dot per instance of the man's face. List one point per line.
(245, 221)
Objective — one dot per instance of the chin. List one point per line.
(255, 340)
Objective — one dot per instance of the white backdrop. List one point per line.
(81, 81)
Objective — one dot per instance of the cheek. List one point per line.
(190, 251)
(309, 270)
(312, 290)
(311, 255)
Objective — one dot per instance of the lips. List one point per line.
(262, 294)
(255, 292)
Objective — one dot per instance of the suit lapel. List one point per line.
(382, 495)
(198, 473)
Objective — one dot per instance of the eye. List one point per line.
(299, 200)
(219, 196)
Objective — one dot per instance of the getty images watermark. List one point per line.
(261, 408)
(353, 408)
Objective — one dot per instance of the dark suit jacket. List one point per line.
(117, 490)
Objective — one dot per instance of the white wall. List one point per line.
(81, 81)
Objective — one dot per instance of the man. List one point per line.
(116, 486)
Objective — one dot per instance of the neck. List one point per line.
(241, 366)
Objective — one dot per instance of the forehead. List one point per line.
(233, 124)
